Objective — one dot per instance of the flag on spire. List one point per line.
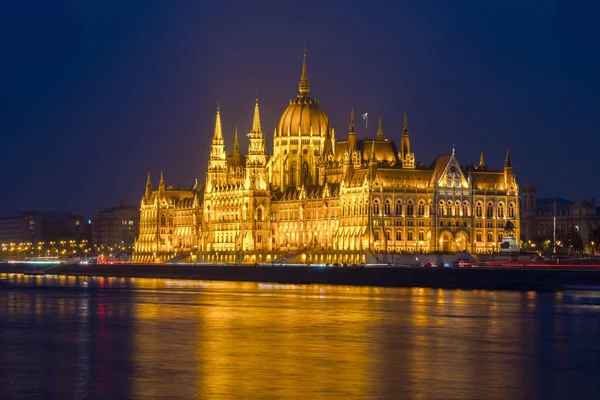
(365, 115)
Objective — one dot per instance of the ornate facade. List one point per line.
(315, 199)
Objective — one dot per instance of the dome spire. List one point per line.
(303, 87)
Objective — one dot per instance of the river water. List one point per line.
(114, 338)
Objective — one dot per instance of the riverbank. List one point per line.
(539, 279)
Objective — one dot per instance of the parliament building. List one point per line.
(315, 199)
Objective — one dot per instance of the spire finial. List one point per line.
(161, 182)
(303, 87)
(352, 128)
(405, 122)
(481, 160)
(507, 162)
(256, 121)
(453, 149)
(379, 130)
(148, 181)
(218, 135)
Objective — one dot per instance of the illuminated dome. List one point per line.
(303, 113)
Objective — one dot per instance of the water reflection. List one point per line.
(67, 337)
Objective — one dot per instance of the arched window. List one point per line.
(421, 209)
(376, 235)
(490, 237)
(500, 236)
(170, 220)
(442, 208)
(259, 214)
(163, 219)
(478, 210)
(421, 235)
(490, 210)
(511, 210)
(388, 235)
(478, 237)
(398, 207)
(409, 208)
(451, 210)
(375, 208)
(500, 210)
(398, 235)
(409, 235)
(465, 210)
(457, 210)
(387, 207)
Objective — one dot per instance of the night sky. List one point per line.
(97, 93)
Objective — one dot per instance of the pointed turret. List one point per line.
(373, 159)
(217, 162)
(256, 149)
(508, 171)
(303, 86)
(256, 120)
(481, 161)
(379, 130)
(351, 134)
(405, 143)
(406, 156)
(148, 187)
(236, 148)
(218, 134)
(161, 183)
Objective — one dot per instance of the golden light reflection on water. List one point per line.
(152, 338)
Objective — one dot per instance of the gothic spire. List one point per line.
(161, 182)
(405, 143)
(148, 186)
(236, 148)
(481, 160)
(218, 135)
(303, 87)
(379, 130)
(256, 121)
(373, 158)
(352, 128)
(507, 162)
(351, 134)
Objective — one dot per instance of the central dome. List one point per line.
(303, 114)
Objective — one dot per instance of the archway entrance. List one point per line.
(461, 241)
(445, 242)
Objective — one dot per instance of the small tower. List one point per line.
(406, 156)
(148, 192)
(256, 160)
(379, 130)
(217, 163)
(161, 184)
(481, 160)
(351, 135)
(236, 148)
(508, 171)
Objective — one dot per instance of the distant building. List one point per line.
(37, 226)
(116, 226)
(537, 216)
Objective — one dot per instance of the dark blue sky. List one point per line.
(97, 93)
